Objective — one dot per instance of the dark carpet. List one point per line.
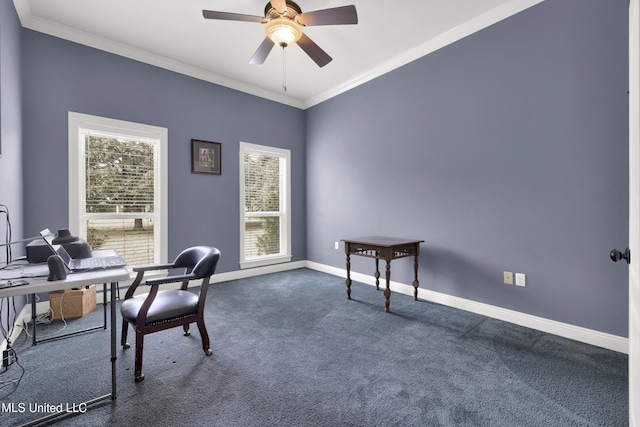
(290, 350)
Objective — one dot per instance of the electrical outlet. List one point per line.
(8, 357)
(521, 279)
(337, 245)
(508, 278)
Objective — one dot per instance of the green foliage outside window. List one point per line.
(119, 175)
(262, 194)
(119, 179)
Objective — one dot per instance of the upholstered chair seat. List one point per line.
(159, 310)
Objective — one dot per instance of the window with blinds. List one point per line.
(119, 195)
(265, 216)
(119, 187)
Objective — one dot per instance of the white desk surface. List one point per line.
(73, 280)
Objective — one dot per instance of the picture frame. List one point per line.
(206, 157)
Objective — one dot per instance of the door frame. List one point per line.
(634, 213)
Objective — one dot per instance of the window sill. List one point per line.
(260, 262)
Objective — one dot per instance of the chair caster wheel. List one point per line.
(186, 334)
(126, 346)
(139, 377)
(208, 352)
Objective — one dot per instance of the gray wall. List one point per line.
(504, 151)
(10, 121)
(11, 186)
(60, 76)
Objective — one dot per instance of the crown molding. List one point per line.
(466, 29)
(31, 22)
(28, 20)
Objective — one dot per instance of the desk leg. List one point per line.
(415, 281)
(387, 291)
(104, 304)
(113, 340)
(113, 366)
(348, 281)
(33, 318)
(377, 275)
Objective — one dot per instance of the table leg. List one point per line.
(33, 318)
(377, 276)
(416, 283)
(113, 340)
(104, 304)
(387, 291)
(348, 281)
(113, 367)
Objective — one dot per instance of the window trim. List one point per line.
(79, 121)
(285, 229)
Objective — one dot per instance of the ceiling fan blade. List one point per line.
(226, 16)
(279, 5)
(263, 51)
(334, 16)
(319, 56)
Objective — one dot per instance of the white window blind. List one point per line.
(118, 187)
(265, 222)
(119, 174)
(119, 203)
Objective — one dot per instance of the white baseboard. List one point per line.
(257, 271)
(577, 333)
(228, 276)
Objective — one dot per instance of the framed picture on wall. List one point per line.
(206, 157)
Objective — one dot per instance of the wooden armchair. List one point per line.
(159, 310)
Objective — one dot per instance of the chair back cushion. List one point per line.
(202, 259)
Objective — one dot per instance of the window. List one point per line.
(118, 186)
(265, 205)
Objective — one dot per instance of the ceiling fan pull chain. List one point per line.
(284, 68)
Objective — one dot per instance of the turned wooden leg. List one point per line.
(416, 283)
(387, 291)
(348, 281)
(377, 275)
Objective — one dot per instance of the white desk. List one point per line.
(77, 280)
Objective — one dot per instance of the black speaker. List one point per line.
(56, 268)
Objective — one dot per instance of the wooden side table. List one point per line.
(388, 249)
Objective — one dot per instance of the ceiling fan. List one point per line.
(284, 21)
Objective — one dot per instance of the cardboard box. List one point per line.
(75, 302)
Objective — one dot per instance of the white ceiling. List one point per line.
(172, 34)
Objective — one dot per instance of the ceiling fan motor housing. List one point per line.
(292, 10)
(283, 28)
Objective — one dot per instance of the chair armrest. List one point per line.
(153, 267)
(170, 279)
(140, 271)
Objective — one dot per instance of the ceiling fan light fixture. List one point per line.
(283, 31)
